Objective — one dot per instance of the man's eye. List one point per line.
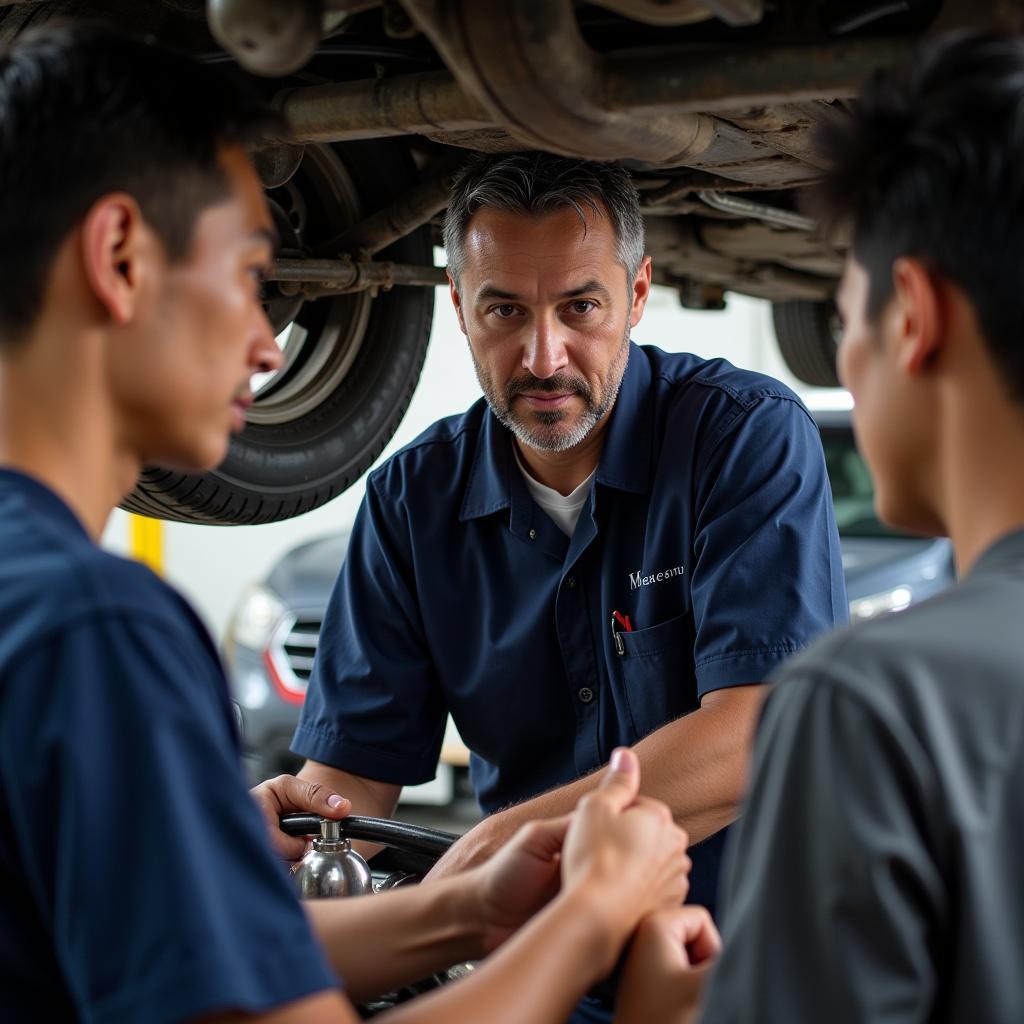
(582, 306)
(258, 274)
(505, 310)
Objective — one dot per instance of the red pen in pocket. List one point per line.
(620, 622)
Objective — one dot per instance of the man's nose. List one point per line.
(265, 355)
(545, 352)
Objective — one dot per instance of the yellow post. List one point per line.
(147, 541)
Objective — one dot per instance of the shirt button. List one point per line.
(533, 535)
(570, 581)
(586, 694)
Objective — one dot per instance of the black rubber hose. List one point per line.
(415, 838)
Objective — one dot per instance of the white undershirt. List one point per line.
(563, 509)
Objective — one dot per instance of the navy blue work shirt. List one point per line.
(709, 525)
(138, 883)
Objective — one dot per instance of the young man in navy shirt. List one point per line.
(138, 881)
(615, 546)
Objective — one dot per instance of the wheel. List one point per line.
(351, 363)
(808, 335)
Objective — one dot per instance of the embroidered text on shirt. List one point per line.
(636, 580)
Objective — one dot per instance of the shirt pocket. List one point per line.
(656, 671)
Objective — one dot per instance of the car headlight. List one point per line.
(871, 607)
(252, 690)
(257, 616)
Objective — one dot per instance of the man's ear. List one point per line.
(115, 247)
(641, 291)
(457, 303)
(919, 306)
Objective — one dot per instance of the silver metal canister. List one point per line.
(332, 867)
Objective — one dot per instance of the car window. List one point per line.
(853, 493)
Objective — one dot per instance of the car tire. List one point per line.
(808, 337)
(326, 417)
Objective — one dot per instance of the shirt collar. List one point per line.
(40, 497)
(625, 462)
(488, 490)
(997, 556)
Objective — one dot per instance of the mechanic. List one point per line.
(614, 547)
(138, 881)
(877, 868)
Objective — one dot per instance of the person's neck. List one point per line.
(56, 426)
(564, 471)
(982, 445)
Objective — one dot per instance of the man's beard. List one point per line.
(540, 429)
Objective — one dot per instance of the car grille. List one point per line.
(296, 648)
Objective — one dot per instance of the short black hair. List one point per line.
(930, 165)
(536, 183)
(86, 111)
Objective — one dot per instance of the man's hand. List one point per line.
(625, 848)
(667, 966)
(520, 879)
(621, 848)
(287, 794)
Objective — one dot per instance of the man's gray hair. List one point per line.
(541, 183)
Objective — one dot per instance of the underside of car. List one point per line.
(711, 104)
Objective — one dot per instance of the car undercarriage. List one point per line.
(711, 104)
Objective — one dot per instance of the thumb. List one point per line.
(700, 935)
(294, 794)
(622, 777)
(318, 798)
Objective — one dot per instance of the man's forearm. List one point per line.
(696, 764)
(538, 975)
(376, 943)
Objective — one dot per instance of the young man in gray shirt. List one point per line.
(877, 871)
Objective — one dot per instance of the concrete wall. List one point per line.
(212, 565)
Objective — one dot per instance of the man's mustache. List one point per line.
(562, 384)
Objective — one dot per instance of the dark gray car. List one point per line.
(272, 637)
(269, 647)
(886, 571)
